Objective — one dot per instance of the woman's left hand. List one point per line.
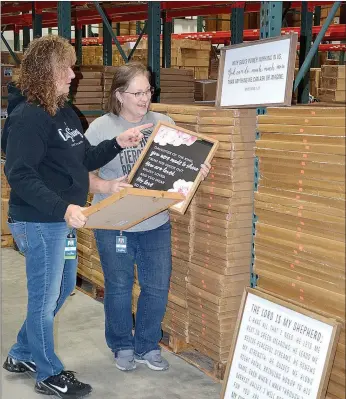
(205, 169)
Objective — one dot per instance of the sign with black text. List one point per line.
(258, 73)
(279, 351)
(171, 161)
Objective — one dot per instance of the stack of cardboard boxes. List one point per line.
(218, 236)
(108, 73)
(87, 91)
(177, 86)
(222, 232)
(205, 90)
(85, 248)
(125, 28)
(176, 320)
(5, 195)
(300, 205)
(333, 84)
(186, 54)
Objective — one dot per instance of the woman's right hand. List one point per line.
(74, 216)
(118, 184)
(133, 136)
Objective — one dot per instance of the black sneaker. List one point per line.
(18, 366)
(63, 385)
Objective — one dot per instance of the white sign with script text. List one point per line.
(257, 74)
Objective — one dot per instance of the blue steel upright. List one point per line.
(271, 23)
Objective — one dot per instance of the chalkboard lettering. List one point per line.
(171, 161)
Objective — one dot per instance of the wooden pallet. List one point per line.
(210, 367)
(6, 241)
(89, 287)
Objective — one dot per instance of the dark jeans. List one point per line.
(151, 252)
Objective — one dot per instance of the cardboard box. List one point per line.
(308, 111)
(228, 305)
(333, 83)
(332, 95)
(4, 215)
(242, 259)
(333, 71)
(301, 121)
(314, 298)
(205, 90)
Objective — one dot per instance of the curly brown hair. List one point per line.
(121, 80)
(46, 59)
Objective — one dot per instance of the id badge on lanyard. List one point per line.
(70, 251)
(121, 244)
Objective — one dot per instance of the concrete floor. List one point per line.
(79, 332)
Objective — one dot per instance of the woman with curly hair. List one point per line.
(47, 164)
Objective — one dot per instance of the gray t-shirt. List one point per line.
(109, 126)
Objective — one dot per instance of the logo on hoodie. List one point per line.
(69, 134)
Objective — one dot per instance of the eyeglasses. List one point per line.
(140, 94)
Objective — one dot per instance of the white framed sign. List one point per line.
(279, 351)
(258, 73)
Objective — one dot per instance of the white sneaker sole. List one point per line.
(123, 368)
(151, 366)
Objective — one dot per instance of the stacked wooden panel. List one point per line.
(177, 86)
(333, 84)
(300, 205)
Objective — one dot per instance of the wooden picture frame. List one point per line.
(128, 207)
(255, 87)
(281, 310)
(173, 146)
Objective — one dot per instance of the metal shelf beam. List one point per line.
(64, 19)
(305, 46)
(334, 32)
(126, 12)
(154, 31)
(271, 22)
(237, 23)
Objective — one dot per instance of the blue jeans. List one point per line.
(50, 280)
(151, 252)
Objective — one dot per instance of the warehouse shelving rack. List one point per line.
(18, 16)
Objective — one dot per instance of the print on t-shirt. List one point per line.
(129, 156)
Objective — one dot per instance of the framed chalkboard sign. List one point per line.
(258, 73)
(171, 161)
(279, 350)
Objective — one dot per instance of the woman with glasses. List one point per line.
(148, 243)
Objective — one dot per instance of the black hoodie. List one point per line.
(48, 160)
